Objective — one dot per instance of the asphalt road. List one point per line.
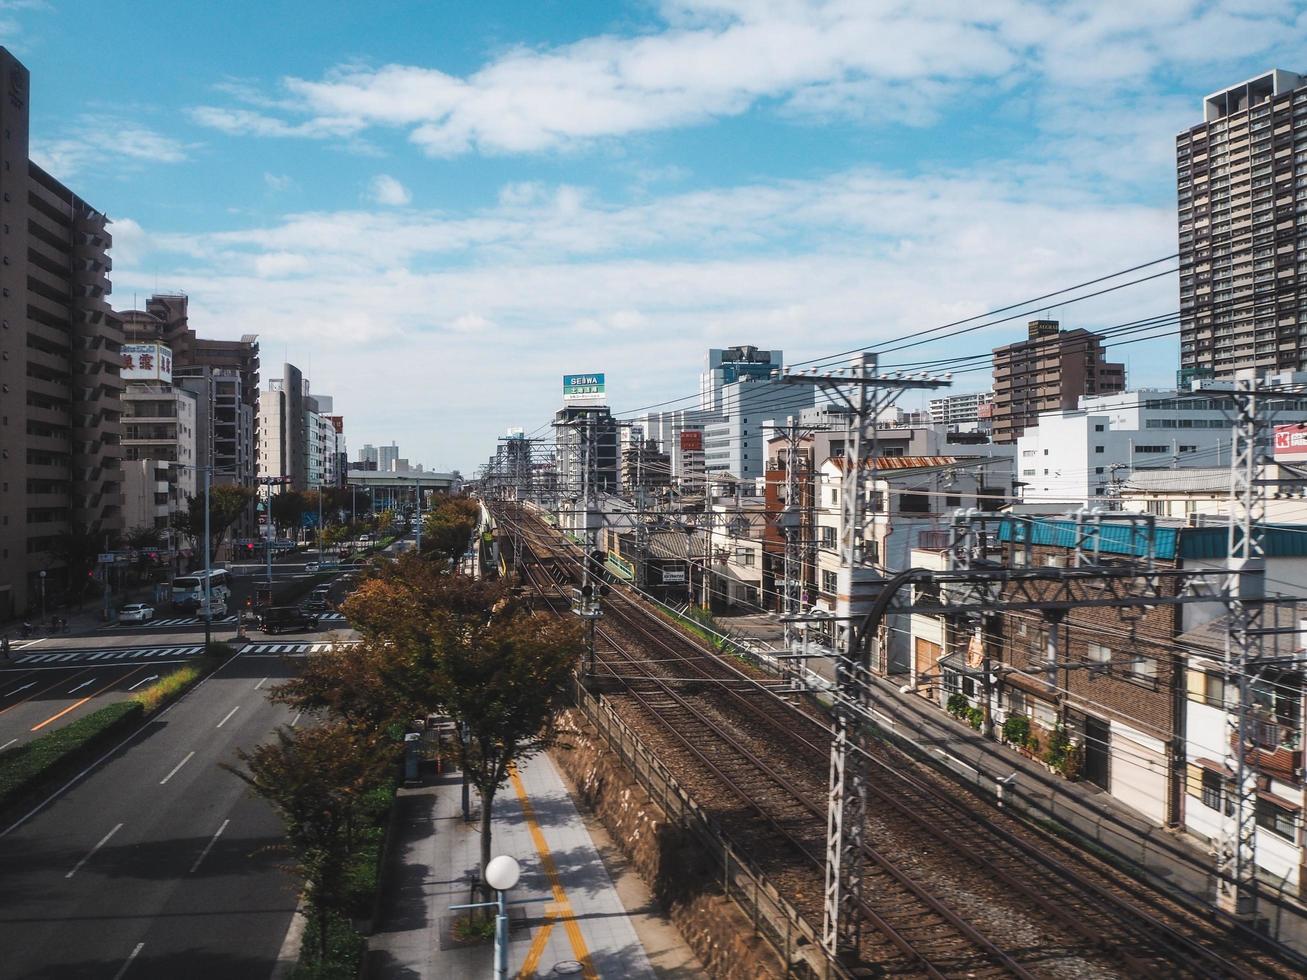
(157, 864)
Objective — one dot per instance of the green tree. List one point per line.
(226, 503)
(79, 549)
(288, 509)
(316, 778)
(464, 648)
(446, 530)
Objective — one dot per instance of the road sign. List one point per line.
(1291, 443)
(106, 559)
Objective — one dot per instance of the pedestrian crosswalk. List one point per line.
(326, 617)
(60, 658)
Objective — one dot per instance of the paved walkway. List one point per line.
(577, 927)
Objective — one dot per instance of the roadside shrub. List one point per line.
(154, 697)
(975, 717)
(221, 651)
(345, 950)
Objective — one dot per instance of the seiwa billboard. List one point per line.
(583, 387)
(1291, 443)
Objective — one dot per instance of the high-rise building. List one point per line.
(60, 350)
(1048, 372)
(959, 411)
(368, 454)
(1240, 230)
(159, 438)
(386, 456)
(282, 432)
(572, 423)
(735, 442)
(725, 366)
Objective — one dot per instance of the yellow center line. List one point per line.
(537, 949)
(563, 908)
(90, 697)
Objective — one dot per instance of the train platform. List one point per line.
(578, 921)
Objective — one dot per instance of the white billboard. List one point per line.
(147, 362)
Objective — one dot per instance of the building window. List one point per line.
(1214, 690)
(952, 501)
(1098, 449)
(1100, 654)
(827, 536)
(1276, 819)
(1212, 790)
(743, 556)
(1144, 668)
(914, 503)
(1098, 428)
(1098, 470)
(828, 583)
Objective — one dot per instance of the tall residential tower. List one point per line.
(1241, 234)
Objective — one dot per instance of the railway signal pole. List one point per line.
(864, 394)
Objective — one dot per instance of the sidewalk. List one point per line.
(578, 926)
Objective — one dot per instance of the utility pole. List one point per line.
(865, 394)
(208, 575)
(1245, 592)
(418, 481)
(583, 450)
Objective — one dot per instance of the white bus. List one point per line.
(188, 590)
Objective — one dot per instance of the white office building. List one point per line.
(959, 411)
(736, 442)
(1085, 455)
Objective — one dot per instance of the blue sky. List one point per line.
(436, 209)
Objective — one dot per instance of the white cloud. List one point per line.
(385, 189)
(887, 61)
(427, 300)
(278, 183)
(93, 141)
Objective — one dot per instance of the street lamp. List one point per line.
(502, 874)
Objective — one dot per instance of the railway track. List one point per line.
(735, 727)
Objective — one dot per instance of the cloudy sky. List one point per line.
(437, 209)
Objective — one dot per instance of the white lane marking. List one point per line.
(177, 768)
(103, 840)
(31, 643)
(81, 685)
(144, 680)
(7, 744)
(295, 722)
(260, 684)
(229, 714)
(131, 956)
(95, 656)
(209, 846)
(23, 688)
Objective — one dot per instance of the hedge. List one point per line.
(63, 750)
(27, 767)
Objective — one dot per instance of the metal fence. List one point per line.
(773, 918)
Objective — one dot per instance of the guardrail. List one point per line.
(773, 918)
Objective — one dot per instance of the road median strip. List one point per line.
(28, 768)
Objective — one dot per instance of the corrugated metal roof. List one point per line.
(1184, 480)
(899, 462)
(1169, 542)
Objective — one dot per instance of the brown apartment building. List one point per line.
(1048, 372)
(1242, 222)
(60, 483)
(222, 374)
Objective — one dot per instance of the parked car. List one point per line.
(313, 566)
(136, 612)
(275, 619)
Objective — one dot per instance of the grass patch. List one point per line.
(162, 691)
(27, 766)
(474, 929)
